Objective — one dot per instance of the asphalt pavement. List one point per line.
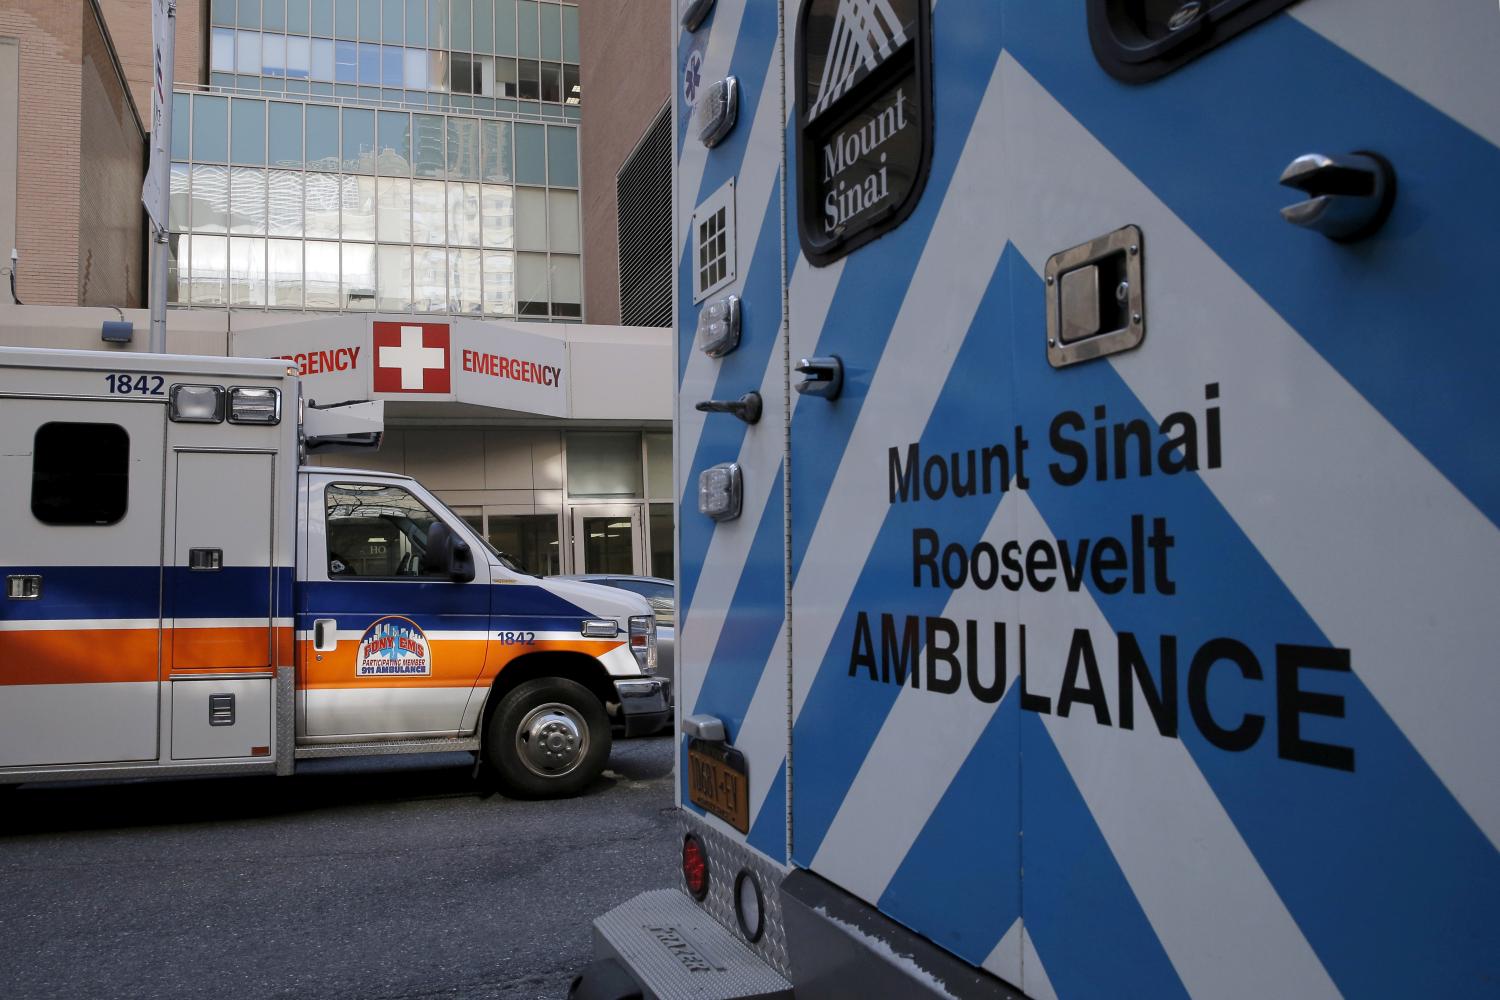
(373, 878)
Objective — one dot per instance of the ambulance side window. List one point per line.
(80, 473)
(376, 530)
(1140, 40)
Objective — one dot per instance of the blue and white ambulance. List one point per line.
(1090, 533)
(183, 596)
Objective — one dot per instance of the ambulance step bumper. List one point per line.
(673, 949)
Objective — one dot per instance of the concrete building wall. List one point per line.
(112, 258)
(626, 75)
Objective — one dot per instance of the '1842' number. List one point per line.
(135, 385)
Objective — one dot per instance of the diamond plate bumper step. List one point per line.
(674, 950)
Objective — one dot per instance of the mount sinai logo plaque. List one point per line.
(864, 120)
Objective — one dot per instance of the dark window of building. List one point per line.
(80, 473)
(644, 189)
(530, 88)
(528, 540)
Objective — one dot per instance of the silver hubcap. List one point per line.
(552, 740)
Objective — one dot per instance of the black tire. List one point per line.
(576, 730)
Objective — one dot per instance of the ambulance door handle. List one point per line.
(1349, 197)
(323, 640)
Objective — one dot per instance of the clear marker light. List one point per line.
(719, 326)
(717, 111)
(197, 404)
(719, 491)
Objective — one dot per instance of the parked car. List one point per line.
(662, 596)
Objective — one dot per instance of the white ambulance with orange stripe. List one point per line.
(182, 596)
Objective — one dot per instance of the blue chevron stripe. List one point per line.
(842, 715)
(1211, 139)
(768, 831)
(1356, 883)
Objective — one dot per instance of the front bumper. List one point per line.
(645, 704)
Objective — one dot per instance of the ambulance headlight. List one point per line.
(643, 641)
(197, 404)
(719, 326)
(254, 406)
(717, 110)
(719, 491)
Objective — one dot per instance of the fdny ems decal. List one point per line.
(393, 647)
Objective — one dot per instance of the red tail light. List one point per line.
(694, 867)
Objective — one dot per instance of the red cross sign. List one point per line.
(411, 357)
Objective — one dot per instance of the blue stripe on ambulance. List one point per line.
(1194, 136)
(135, 592)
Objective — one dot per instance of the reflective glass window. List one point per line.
(551, 17)
(346, 62)
(247, 272)
(562, 214)
(298, 58)
(247, 131)
(495, 151)
(529, 80)
(223, 12)
(358, 205)
(176, 269)
(394, 143)
(359, 140)
(464, 281)
(414, 69)
(345, 18)
(322, 137)
(247, 201)
(177, 198)
(284, 273)
(572, 90)
(484, 26)
(322, 17)
(392, 20)
(567, 287)
(604, 464)
(562, 155)
(284, 203)
(209, 265)
(570, 34)
(499, 283)
(531, 154)
(296, 16)
(273, 55)
(438, 31)
(463, 214)
(369, 63)
(247, 49)
(210, 128)
(429, 208)
(321, 285)
(499, 216)
(390, 66)
(273, 15)
(531, 219)
(528, 43)
(359, 276)
(531, 284)
(210, 199)
(285, 132)
(427, 137)
(505, 27)
(552, 83)
(182, 123)
(321, 206)
(462, 14)
(437, 74)
(659, 467)
(394, 212)
(463, 149)
(416, 22)
(430, 279)
(221, 50)
(505, 78)
(249, 13)
(393, 278)
(322, 59)
(369, 20)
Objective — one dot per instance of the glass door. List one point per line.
(607, 538)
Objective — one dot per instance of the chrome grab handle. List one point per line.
(323, 639)
(747, 407)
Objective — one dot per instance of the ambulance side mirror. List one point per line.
(447, 554)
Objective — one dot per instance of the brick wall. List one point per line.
(129, 24)
(625, 70)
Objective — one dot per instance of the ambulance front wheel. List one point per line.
(548, 738)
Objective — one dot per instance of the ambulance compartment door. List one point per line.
(80, 616)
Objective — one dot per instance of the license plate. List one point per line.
(719, 783)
